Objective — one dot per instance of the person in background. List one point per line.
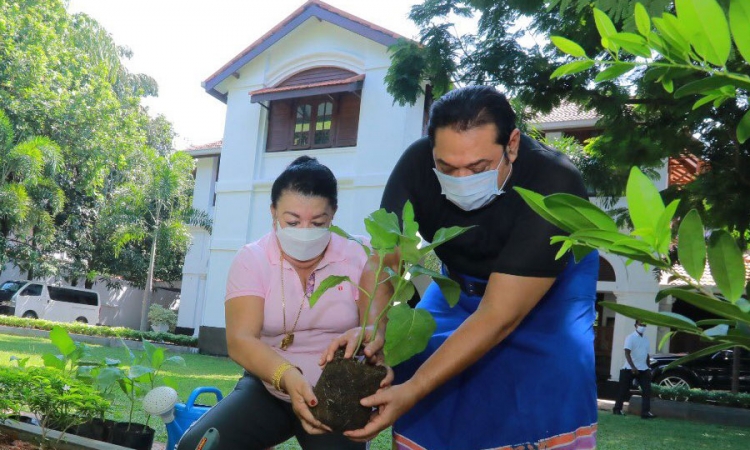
(635, 367)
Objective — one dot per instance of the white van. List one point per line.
(38, 300)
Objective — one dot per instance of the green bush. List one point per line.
(104, 331)
(159, 314)
(59, 400)
(719, 398)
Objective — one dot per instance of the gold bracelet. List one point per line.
(280, 371)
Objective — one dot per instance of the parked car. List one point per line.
(712, 372)
(38, 300)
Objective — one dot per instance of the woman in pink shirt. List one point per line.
(271, 330)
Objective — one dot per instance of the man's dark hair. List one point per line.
(306, 176)
(470, 107)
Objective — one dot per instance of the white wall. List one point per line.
(120, 308)
(243, 192)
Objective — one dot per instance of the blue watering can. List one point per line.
(177, 417)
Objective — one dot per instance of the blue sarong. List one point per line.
(535, 390)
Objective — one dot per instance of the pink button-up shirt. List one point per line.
(256, 271)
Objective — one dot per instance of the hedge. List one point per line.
(98, 330)
(720, 398)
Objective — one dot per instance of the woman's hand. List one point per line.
(373, 345)
(392, 403)
(302, 399)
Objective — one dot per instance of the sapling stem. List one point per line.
(370, 299)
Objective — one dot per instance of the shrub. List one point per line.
(719, 398)
(104, 331)
(159, 314)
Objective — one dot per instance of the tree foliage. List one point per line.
(642, 122)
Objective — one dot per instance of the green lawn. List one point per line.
(615, 433)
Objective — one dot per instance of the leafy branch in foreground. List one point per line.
(408, 330)
(591, 228)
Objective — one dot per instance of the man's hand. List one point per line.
(635, 371)
(373, 346)
(302, 398)
(392, 403)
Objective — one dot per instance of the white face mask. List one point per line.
(473, 191)
(303, 244)
(640, 329)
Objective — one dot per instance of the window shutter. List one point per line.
(279, 126)
(348, 120)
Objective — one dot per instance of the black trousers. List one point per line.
(626, 380)
(250, 418)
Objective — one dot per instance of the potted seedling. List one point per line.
(345, 381)
(162, 319)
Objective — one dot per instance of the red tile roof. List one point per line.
(298, 87)
(291, 17)
(209, 146)
(566, 112)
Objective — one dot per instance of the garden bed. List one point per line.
(717, 415)
(16, 431)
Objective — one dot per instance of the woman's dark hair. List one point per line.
(306, 176)
(470, 107)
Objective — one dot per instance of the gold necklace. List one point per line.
(288, 337)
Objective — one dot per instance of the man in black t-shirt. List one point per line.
(463, 174)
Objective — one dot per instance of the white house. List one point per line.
(314, 85)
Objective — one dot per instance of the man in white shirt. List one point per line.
(636, 366)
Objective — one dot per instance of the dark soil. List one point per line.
(8, 442)
(342, 385)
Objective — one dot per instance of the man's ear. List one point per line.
(514, 142)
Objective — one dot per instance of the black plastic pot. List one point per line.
(98, 429)
(139, 437)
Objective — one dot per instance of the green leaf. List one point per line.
(717, 331)
(567, 244)
(651, 317)
(708, 84)
(704, 100)
(571, 68)
(107, 376)
(642, 20)
(536, 203)
(604, 24)
(644, 202)
(409, 241)
(632, 43)
(707, 27)
(727, 264)
(663, 230)
(668, 85)
(568, 47)
(708, 304)
(743, 128)
(612, 72)
(667, 336)
(342, 233)
(674, 37)
(328, 283)
(579, 213)
(711, 322)
(404, 294)
(581, 251)
(62, 340)
(53, 361)
(408, 333)
(739, 18)
(743, 304)
(384, 230)
(157, 358)
(691, 245)
(442, 236)
(699, 354)
(138, 372)
(450, 289)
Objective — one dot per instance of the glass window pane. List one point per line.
(323, 123)
(302, 125)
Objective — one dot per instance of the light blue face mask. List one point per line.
(473, 191)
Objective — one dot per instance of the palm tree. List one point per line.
(29, 197)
